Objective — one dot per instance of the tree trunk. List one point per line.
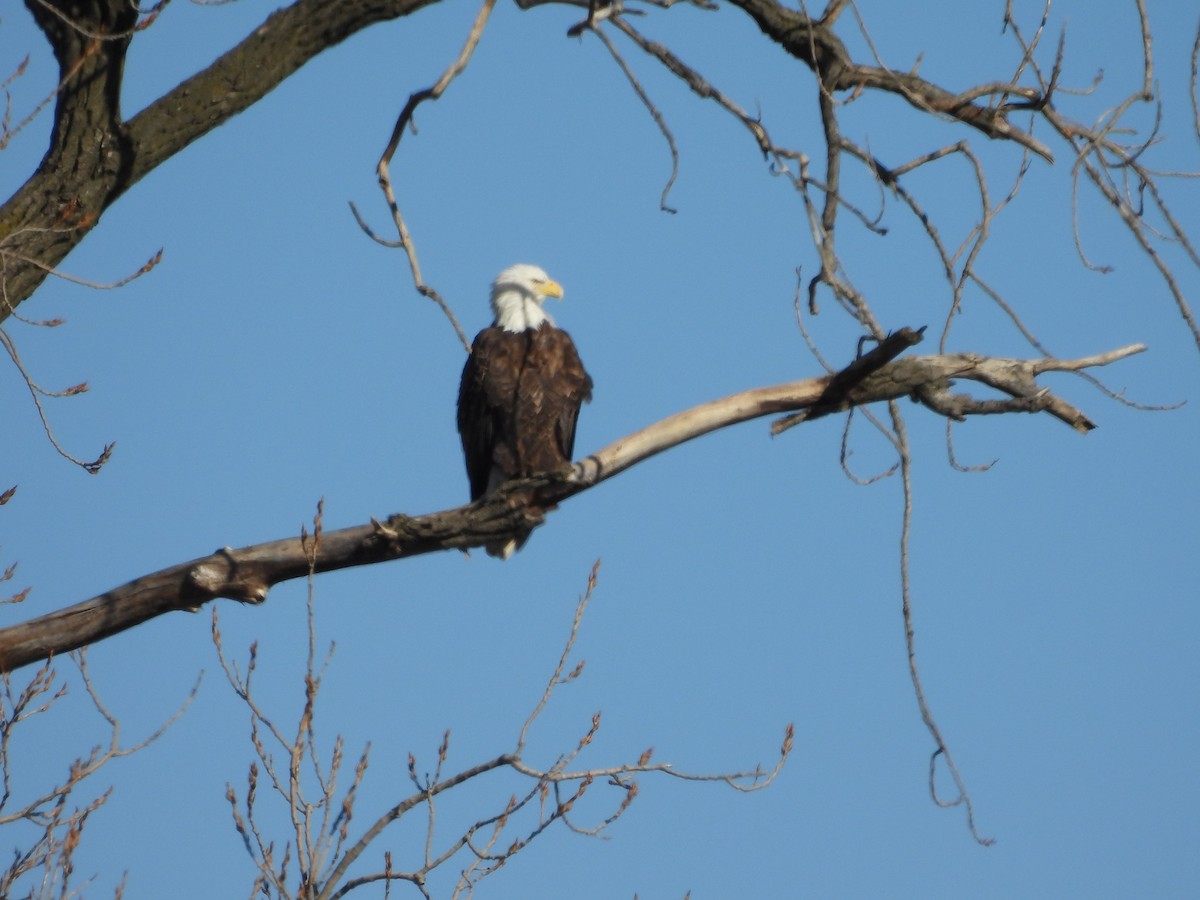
(95, 155)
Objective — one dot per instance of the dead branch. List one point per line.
(814, 43)
(899, 436)
(837, 393)
(1114, 169)
(247, 574)
(404, 121)
(36, 391)
(657, 116)
(1194, 83)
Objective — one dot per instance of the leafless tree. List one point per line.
(323, 855)
(96, 155)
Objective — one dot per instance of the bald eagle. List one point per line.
(521, 390)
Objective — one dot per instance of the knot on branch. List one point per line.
(220, 575)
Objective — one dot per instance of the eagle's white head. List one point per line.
(518, 294)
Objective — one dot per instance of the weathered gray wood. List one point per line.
(247, 574)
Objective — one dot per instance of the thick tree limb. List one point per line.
(95, 156)
(249, 573)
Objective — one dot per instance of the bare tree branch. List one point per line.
(404, 121)
(657, 116)
(249, 573)
(41, 866)
(814, 43)
(325, 853)
(95, 156)
(941, 748)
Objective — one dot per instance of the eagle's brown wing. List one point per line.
(570, 387)
(518, 404)
(486, 402)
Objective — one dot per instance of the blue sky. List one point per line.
(277, 356)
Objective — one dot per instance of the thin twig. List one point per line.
(36, 392)
(942, 749)
(434, 92)
(663, 128)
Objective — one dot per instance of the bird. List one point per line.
(521, 390)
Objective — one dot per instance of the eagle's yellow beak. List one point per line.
(551, 288)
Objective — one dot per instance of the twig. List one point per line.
(1195, 83)
(36, 391)
(385, 180)
(650, 107)
(942, 749)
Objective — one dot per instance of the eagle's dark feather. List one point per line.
(518, 404)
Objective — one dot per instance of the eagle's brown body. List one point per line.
(518, 404)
